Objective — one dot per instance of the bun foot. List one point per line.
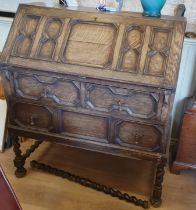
(155, 203)
(20, 172)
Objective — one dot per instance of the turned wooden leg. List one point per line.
(19, 160)
(157, 189)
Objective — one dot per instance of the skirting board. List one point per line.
(3, 113)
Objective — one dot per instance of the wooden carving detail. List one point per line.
(27, 86)
(52, 31)
(26, 35)
(158, 52)
(131, 49)
(132, 134)
(90, 44)
(37, 117)
(39, 87)
(130, 102)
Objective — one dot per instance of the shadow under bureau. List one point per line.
(103, 82)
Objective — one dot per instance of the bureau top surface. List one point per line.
(113, 46)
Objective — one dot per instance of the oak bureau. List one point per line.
(103, 82)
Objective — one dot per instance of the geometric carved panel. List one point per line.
(129, 102)
(48, 41)
(64, 92)
(26, 35)
(158, 52)
(131, 49)
(28, 87)
(90, 44)
(132, 134)
(42, 88)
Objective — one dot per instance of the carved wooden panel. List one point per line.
(37, 117)
(26, 34)
(158, 52)
(39, 87)
(131, 49)
(84, 126)
(124, 101)
(132, 134)
(47, 44)
(90, 43)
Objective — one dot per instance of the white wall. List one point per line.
(11, 5)
(186, 82)
(5, 24)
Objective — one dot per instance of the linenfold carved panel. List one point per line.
(90, 43)
(138, 135)
(158, 52)
(47, 44)
(131, 49)
(26, 35)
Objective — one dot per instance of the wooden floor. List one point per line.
(42, 191)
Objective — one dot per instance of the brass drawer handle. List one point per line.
(137, 137)
(32, 120)
(120, 104)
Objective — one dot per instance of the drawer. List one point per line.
(110, 99)
(47, 88)
(136, 103)
(32, 116)
(82, 126)
(138, 136)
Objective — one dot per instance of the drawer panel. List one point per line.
(139, 136)
(84, 126)
(39, 87)
(89, 95)
(36, 117)
(131, 102)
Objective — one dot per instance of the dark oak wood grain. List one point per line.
(103, 82)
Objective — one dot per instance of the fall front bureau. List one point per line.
(104, 82)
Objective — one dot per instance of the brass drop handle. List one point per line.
(32, 119)
(137, 138)
(119, 105)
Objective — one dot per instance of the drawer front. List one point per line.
(135, 103)
(138, 136)
(83, 126)
(47, 88)
(111, 98)
(32, 116)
